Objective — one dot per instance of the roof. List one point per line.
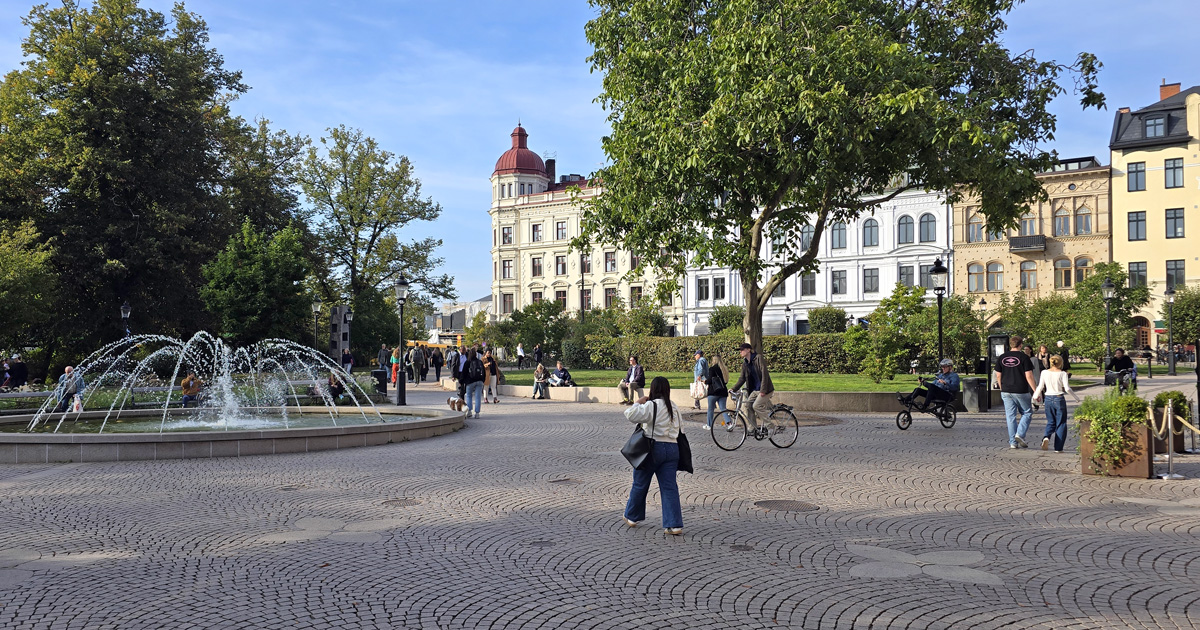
(1129, 127)
(519, 159)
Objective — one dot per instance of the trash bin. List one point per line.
(381, 380)
(975, 394)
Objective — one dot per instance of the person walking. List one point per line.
(661, 421)
(384, 357)
(19, 371)
(418, 364)
(541, 382)
(426, 361)
(1054, 386)
(718, 389)
(1013, 375)
(635, 380)
(396, 361)
(758, 382)
(520, 356)
(699, 372)
(438, 361)
(493, 377)
(537, 353)
(347, 361)
(472, 377)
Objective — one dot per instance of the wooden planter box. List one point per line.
(1160, 446)
(1140, 464)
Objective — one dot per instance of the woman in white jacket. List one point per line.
(661, 421)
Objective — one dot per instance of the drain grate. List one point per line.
(406, 502)
(786, 506)
(741, 547)
(541, 543)
(1054, 471)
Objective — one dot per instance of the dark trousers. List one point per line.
(437, 374)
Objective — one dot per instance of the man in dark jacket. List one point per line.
(758, 382)
(635, 380)
(385, 357)
(18, 370)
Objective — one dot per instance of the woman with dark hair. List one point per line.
(660, 421)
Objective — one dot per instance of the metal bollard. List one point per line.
(1170, 444)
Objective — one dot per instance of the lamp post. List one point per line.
(1109, 291)
(348, 317)
(582, 306)
(983, 332)
(316, 309)
(125, 311)
(401, 289)
(787, 319)
(939, 274)
(674, 325)
(1170, 331)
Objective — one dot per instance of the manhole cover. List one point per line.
(566, 481)
(741, 547)
(1055, 471)
(401, 502)
(541, 543)
(786, 506)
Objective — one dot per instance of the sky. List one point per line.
(444, 83)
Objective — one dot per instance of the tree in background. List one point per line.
(738, 121)
(26, 283)
(643, 319)
(1185, 314)
(961, 332)
(725, 317)
(892, 335)
(826, 319)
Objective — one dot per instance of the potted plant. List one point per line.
(1114, 436)
(1180, 407)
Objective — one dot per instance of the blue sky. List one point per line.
(445, 82)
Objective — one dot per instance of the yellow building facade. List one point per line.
(1156, 195)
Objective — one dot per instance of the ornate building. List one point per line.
(534, 219)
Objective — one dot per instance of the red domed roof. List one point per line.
(519, 159)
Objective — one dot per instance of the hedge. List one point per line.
(802, 354)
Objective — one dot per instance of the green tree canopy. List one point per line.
(735, 121)
(26, 283)
(1185, 314)
(724, 317)
(892, 334)
(827, 319)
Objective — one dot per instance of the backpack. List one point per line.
(475, 371)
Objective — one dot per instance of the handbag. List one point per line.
(685, 453)
(639, 449)
(699, 390)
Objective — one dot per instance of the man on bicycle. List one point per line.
(943, 386)
(758, 381)
(1120, 362)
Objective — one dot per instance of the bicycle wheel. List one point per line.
(728, 432)
(786, 428)
(948, 416)
(904, 420)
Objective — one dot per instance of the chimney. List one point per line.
(1167, 90)
(550, 169)
(1123, 110)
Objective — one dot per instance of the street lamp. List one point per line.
(316, 309)
(674, 325)
(1109, 291)
(125, 311)
(582, 307)
(1170, 331)
(401, 289)
(787, 319)
(939, 274)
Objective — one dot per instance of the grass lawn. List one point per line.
(782, 382)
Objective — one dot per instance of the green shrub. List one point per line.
(827, 319)
(725, 317)
(811, 354)
(1180, 402)
(1108, 418)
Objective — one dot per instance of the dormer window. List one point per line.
(1155, 127)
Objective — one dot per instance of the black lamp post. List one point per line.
(401, 288)
(939, 274)
(582, 306)
(787, 319)
(316, 309)
(348, 317)
(125, 311)
(1170, 331)
(1109, 291)
(675, 325)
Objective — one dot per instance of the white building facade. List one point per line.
(860, 264)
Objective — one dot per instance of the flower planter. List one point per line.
(1140, 461)
(1160, 446)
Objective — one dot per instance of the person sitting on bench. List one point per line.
(943, 387)
(190, 388)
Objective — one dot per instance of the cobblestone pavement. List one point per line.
(515, 522)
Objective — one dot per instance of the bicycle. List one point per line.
(729, 431)
(942, 409)
(1124, 380)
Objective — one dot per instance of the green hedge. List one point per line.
(804, 354)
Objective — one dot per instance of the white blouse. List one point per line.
(1054, 383)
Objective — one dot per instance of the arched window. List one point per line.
(806, 237)
(1083, 220)
(870, 233)
(974, 277)
(1083, 269)
(1028, 275)
(1062, 222)
(522, 187)
(904, 231)
(1062, 274)
(928, 228)
(975, 229)
(1028, 224)
(995, 277)
(837, 236)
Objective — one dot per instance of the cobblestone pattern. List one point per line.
(515, 522)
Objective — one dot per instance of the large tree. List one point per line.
(26, 283)
(735, 121)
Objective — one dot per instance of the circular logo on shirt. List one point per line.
(1010, 362)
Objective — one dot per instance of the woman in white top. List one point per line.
(660, 420)
(1054, 385)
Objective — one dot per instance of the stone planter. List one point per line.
(1160, 446)
(1139, 465)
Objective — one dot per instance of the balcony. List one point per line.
(1036, 243)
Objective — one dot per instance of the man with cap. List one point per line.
(758, 382)
(700, 372)
(943, 386)
(18, 371)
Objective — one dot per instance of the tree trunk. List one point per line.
(752, 325)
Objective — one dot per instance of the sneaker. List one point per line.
(1045, 444)
(707, 428)
(629, 522)
(1012, 446)
(674, 531)
(1020, 441)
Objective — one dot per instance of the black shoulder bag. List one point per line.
(639, 449)
(685, 452)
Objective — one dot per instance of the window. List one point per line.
(924, 276)
(535, 267)
(701, 289)
(635, 296)
(1083, 220)
(536, 235)
(995, 277)
(1062, 274)
(808, 283)
(537, 296)
(1174, 173)
(1175, 275)
(560, 230)
(586, 299)
(974, 277)
(839, 283)
(906, 276)
(1137, 275)
(561, 298)
(635, 261)
(780, 291)
(975, 229)
(1155, 127)
(506, 301)
(1175, 223)
(560, 265)
(802, 327)
(585, 263)
(610, 297)
(777, 245)
(837, 236)
(870, 233)
(506, 235)
(1137, 226)
(806, 237)
(610, 261)
(904, 231)
(1028, 275)
(1028, 224)
(1137, 176)
(510, 190)
(1062, 222)
(506, 269)
(522, 187)
(718, 288)
(870, 280)
(928, 228)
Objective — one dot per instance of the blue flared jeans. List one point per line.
(713, 402)
(1056, 420)
(666, 465)
(1018, 412)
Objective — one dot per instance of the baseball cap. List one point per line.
(699, 352)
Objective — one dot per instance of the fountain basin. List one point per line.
(44, 448)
